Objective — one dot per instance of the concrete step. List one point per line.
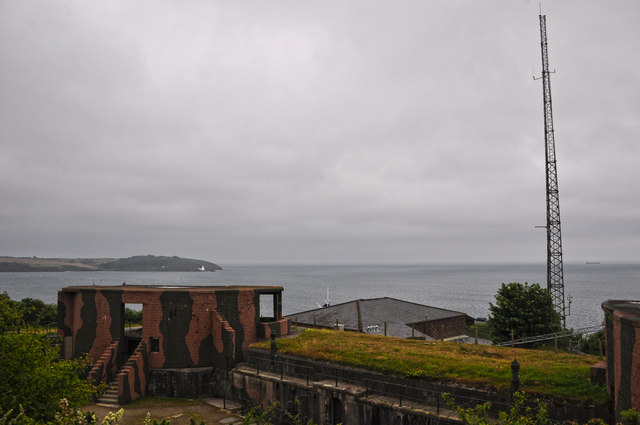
(108, 405)
(110, 397)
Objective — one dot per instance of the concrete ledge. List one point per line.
(598, 373)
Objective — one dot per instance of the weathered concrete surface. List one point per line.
(398, 388)
(324, 402)
(622, 332)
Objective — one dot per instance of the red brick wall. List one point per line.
(132, 378)
(103, 338)
(279, 328)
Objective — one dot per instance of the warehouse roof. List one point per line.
(397, 314)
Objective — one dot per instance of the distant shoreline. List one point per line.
(140, 263)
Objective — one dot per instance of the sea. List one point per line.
(467, 288)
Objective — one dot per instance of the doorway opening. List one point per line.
(132, 327)
(336, 411)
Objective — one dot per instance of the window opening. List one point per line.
(267, 306)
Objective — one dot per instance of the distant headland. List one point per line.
(138, 263)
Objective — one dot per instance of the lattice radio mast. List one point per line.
(555, 275)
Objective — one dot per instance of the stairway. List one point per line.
(110, 397)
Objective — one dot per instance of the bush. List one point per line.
(32, 375)
(517, 415)
(630, 417)
(593, 344)
(527, 310)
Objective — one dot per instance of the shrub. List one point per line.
(526, 310)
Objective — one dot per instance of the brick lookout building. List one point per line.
(187, 333)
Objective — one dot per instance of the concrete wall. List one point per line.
(407, 389)
(186, 383)
(325, 403)
(622, 331)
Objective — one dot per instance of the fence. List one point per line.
(400, 391)
(547, 337)
(403, 393)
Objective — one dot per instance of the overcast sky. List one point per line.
(316, 131)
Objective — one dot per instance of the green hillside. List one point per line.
(139, 263)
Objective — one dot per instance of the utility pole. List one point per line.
(555, 274)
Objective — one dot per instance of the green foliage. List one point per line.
(296, 419)
(593, 344)
(478, 415)
(484, 330)
(113, 418)
(15, 315)
(32, 375)
(561, 376)
(630, 417)
(67, 415)
(258, 416)
(36, 312)
(64, 415)
(519, 414)
(148, 420)
(525, 309)
(132, 316)
(10, 314)
(8, 418)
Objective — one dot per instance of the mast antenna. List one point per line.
(555, 274)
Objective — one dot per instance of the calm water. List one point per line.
(466, 288)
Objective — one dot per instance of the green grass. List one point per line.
(560, 376)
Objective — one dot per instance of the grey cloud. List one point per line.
(315, 132)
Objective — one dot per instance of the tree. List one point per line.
(38, 313)
(32, 375)
(527, 310)
(10, 314)
(593, 344)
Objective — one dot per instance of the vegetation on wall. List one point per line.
(557, 375)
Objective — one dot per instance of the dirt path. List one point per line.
(179, 412)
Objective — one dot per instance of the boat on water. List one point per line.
(327, 301)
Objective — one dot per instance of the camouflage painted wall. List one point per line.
(622, 331)
(182, 326)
